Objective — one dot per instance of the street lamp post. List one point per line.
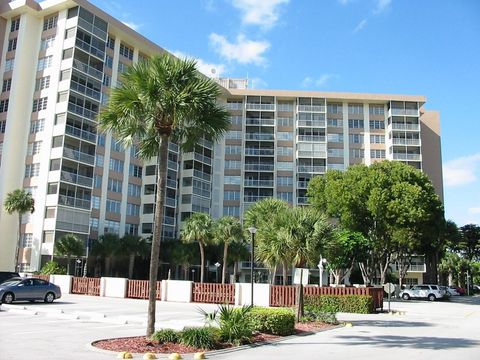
(321, 262)
(217, 265)
(252, 231)
(193, 274)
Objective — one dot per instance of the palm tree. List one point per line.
(198, 227)
(19, 201)
(227, 230)
(160, 100)
(105, 248)
(132, 246)
(184, 255)
(69, 245)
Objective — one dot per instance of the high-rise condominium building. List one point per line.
(60, 59)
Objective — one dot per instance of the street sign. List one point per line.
(389, 288)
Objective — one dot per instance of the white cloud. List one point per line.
(381, 6)
(257, 83)
(461, 171)
(360, 25)
(243, 51)
(208, 69)
(345, 2)
(474, 210)
(320, 82)
(132, 25)
(264, 13)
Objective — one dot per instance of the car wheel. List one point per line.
(49, 297)
(8, 298)
(406, 297)
(431, 297)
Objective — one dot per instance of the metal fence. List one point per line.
(213, 293)
(138, 289)
(86, 286)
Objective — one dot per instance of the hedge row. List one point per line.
(272, 321)
(360, 304)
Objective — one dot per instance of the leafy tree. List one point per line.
(470, 241)
(21, 202)
(52, 268)
(69, 245)
(227, 230)
(198, 227)
(391, 203)
(105, 248)
(132, 246)
(160, 100)
(237, 252)
(184, 255)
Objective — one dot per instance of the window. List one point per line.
(122, 67)
(101, 139)
(285, 196)
(65, 74)
(285, 165)
(62, 96)
(7, 84)
(52, 188)
(116, 165)
(149, 189)
(377, 124)
(150, 170)
(12, 44)
(134, 190)
(95, 202)
(135, 171)
(133, 209)
(107, 80)
(148, 208)
(32, 170)
(335, 138)
(60, 118)
(44, 63)
(110, 42)
(147, 228)
(357, 153)
(9, 64)
(116, 146)
(110, 226)
(4, 105)
(33, 148)
(69, 33)
(334, 108)
(377, 154)
(284, 181)
(114, 185)
(97, 181)
(99, 160)
(285, 135)
(67, 53)
(233, 149)
(3, 124)
(356, 138)
(233, 135)
(126, 51)
(54, 164)
(47, 42)
(232, 180)
(93, 224)
(39, 104)
(231, 195)
(285, 121)
(50, 22)
(113, 206)
(131, 229)
(355, 109)
(134, 151)
(15, 25)
(355, 124)
(236, 119)
(42, 83)
(333, 166)
(231, 211)
(376, 110)
(285, 150)
(109, 61)
(232, 164)
(27, 240)
(50, 212)
(377, 139)
(335, 122)
(335, 152)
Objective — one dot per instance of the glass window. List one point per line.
(231, 195)
(95, 202)
(50, 22)
(114, 185)
(135, 170)
(113, 206)
(285, 165)
(116, 165)
(284, 135)
(133, 209)
(232, 180)
(231, 211)
(134, 190)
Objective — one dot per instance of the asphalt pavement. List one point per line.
(64, 330)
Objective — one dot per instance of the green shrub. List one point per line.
(202, 338)
(166, 335)
(317, 304)
(235, 327)
(52, 268)
(272, 321)
(327, 318)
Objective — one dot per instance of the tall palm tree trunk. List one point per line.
(17, 247)
(68, 265)
(131, 264)
(284, 273)
(157, 230)
(224, 269)
(202, 261)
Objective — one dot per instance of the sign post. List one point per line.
(389, 289)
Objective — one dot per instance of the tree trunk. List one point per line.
(224, 269)
(299, 298)
(235, 270)
(157, 231)
(108, 261)
(284, 273)
(365, 273)
(19, 243)
(337, 274)
(68, 265)
(131, 265)
(202, 261)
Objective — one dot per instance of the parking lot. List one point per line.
(64, 329)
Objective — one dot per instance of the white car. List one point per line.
(430, 292)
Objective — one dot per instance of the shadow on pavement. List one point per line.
(423, 342)
(387, 323)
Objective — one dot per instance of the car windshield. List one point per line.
(10, 283)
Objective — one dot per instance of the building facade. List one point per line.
(59, 60)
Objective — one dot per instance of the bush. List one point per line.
(327, 318)
(317, 304)
(272, 321)
(202, 338)
(235, 327)
(166, 335)
(52, 268)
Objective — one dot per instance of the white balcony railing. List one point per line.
(258, 183)
(261, 152)
(311, 123)
(76, 179)
(399, 126)
(255, 121)
(259, 136)
(311, 108)
(78, 156)
(400, 141)
(311, 138)
(259, 167)
(257, 106)
(404, 156)
(310, 169)
(79, 133)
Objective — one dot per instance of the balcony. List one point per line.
(311, 108)
(403, 112)
(418, 267)
(404, 156)
(171, 183)
(302, 200)
(302, 184)
(259, 167)
(167, 220)
(312, 154)
(92, 28)
(311, 123)
(203, 158)
(80, 110)
(255, 121)
(171, 202)
(76, 179)
(259, 152)
(201, 175)
(401, 126)
(259, 136)
(172, 165)
(255, 198)
(78, 156)
(82, 134)
(82, 89)
(257, 106)
(406, 142)
(77, 64)
(90, 49)
(285, 107)
(311, 138)
(258, 183)
(310, 169)
(74, 202)
(234, 106)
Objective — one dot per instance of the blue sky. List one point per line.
(428, 47)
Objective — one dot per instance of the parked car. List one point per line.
(30, 289)
(451, 290)
(6, 275)
(430, 292)
(476, 289)
(459, 289)
(447, 291)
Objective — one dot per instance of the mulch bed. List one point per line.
(141, 344)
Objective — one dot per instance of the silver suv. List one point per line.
(430, 292)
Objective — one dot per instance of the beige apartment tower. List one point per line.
(60, 59)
